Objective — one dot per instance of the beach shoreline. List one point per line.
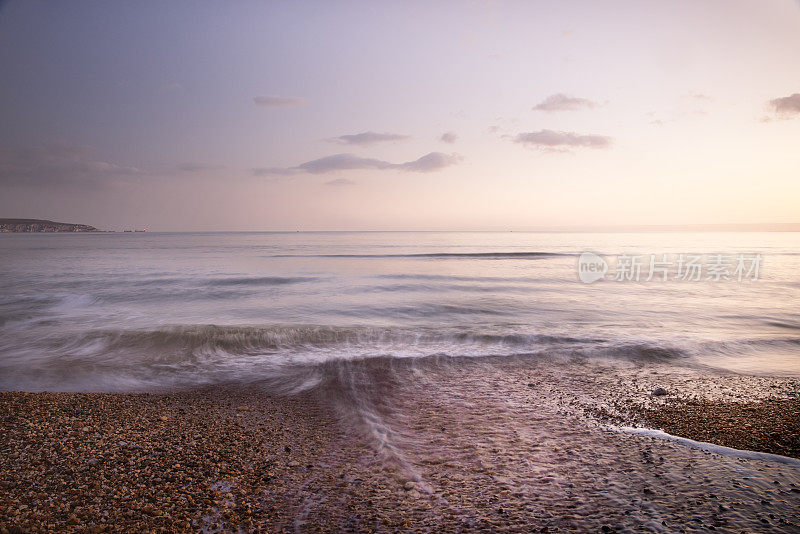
(234, 457)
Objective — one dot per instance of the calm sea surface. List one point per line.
(135, 311)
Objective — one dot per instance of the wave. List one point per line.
(259, 281)
(190, 355)
(442, 255)
(457, 278)
(738, 346)
(261, 340)
(783, 324)
(343, 342)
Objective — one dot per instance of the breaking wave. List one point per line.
(195, 355)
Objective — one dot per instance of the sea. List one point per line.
(147, 311)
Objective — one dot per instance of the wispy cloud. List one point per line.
(339, 182)
(198, 167)
(276, 101)
(550, 139)
(562, 102)
(449, 137)
(274, 171)
(787, 106)
(367, 138)
(347, 162)
(57, 164)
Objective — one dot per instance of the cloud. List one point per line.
(549, 139)
(786, 106)
(57, 164)
(431, 162)
(276, 101)
(348, 162)
(449, 137)
(339, 182)
(562, 102)
(367, 138)
(341, 162)
(197, 167)
(270, 171)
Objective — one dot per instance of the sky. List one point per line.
(184, 116)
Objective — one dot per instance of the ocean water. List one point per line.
(125, 312)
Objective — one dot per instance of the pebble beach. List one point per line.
(512, 446)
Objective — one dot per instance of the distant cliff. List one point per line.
(39, 225)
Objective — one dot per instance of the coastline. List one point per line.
(508, 446)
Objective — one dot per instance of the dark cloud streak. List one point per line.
(277, 101)
(550, 139)
(432, 162)
(368, 138)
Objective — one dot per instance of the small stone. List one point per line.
(408, 486)
(244, 408)
(86, 429)
(659, 392)
(92, 461)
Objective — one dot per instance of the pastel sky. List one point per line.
(400, 115)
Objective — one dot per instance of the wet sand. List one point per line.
(425, 445)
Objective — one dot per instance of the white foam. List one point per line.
(710, 447)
